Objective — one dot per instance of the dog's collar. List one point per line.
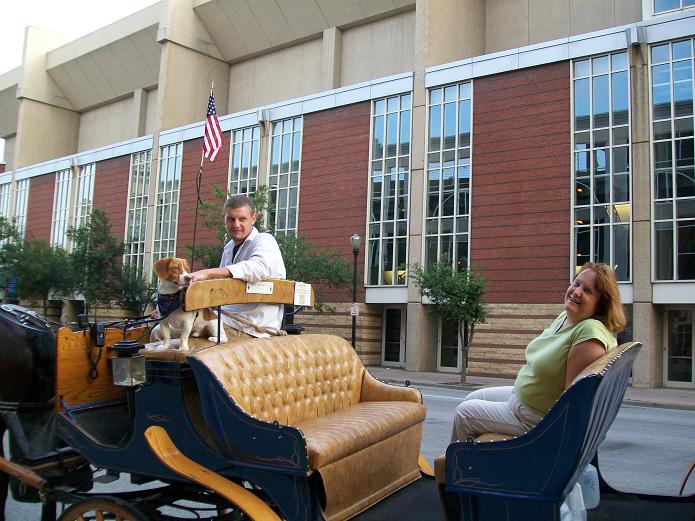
(168, 302)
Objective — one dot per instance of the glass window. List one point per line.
(84, 195)
(448, 175)
(243, 175)
(661, 6)
(679, 356)
(601, 140)
(389, 189)
(285, 158)
(5, 191)
(167, 201)
(674, 163)
(61, 208)
(21, 194)
(136, 224)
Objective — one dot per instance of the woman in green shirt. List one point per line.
(579, 335)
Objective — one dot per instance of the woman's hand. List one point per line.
(581, 356)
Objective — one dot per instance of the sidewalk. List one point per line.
(660, 397)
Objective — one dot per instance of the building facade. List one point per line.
(518, 138)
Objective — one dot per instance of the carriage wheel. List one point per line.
(102, 508)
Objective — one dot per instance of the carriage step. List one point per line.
(108, 477)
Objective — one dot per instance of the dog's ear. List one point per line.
(208, 314)
(161, 267)
(184, 266)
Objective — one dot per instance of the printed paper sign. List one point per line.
(302, 294)
(260, 288)
(355, 309)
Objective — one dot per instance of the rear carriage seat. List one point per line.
(361, 436)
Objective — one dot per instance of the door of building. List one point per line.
(393, 340)
(448, 352)
(678, 348)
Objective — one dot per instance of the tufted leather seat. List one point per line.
(362, 436)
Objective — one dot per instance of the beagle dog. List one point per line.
(173, 275)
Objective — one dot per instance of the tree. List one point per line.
(135, 290)
(96, 259)
(45, 272)
(10, 247)
(453, 295)
(42, 271)
(304, 263)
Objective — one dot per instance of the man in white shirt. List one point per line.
(250, 256)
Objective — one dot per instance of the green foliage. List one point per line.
(96, 259)
(43, 271)
(452, 294)
(456, 295)
(303, 263)
(10, 247)
(135, 290)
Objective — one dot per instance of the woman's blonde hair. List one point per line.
(609, 310)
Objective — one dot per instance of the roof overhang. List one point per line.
(109, 63)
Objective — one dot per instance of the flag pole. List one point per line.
(198, 181)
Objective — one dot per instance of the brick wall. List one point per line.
(214, 174)
(40, 207)
(521, 184)
(339, 323)
(111, 192)
(334, 182)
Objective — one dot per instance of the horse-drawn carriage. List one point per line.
(288, 427)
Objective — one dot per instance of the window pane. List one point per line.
(619, 98)
(665, 5)
(600, 101)
(621, 257)
(663, 170)
(581, 104)
(686, 250)
(661, 91)
(683, 88)
(664, 250)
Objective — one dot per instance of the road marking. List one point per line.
(443, 397)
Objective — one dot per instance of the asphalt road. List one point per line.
(647, 449)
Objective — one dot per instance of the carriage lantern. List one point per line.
(128, 366)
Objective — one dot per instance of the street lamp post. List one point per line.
(355, 242)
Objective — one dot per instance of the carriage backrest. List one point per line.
(287, 379)
(614, 370)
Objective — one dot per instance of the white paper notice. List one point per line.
(302, 294)
(260, 288)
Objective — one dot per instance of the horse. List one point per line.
(27, 386)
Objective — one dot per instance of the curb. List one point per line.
(634, 402)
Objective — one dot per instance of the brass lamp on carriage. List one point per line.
(128, 366)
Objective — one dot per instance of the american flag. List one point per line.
(213, 132)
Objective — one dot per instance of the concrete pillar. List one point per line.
(646, 318)
(185, 77)
(331, 62)
(421, 339)
(445, 30)
(190, 62)
(47, 127)
(139, 112)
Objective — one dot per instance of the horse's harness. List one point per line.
(28, 319)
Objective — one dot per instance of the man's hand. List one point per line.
(211, 273)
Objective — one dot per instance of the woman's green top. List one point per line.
(541, 380)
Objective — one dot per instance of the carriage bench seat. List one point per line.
(527, 477)
(305, 405)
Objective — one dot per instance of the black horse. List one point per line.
(27, 386)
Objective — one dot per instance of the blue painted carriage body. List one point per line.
(228, 442)
(527, 478)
